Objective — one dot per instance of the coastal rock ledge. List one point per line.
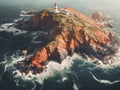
(68, 32)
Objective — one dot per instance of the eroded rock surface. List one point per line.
(68, 32)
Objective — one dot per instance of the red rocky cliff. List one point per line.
(68, 31)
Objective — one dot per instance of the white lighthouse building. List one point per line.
(56, 7)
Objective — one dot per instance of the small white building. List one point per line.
(63, 11)
(57, 10)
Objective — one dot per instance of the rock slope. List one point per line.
(68, 32)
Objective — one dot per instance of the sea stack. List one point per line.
(100, 18)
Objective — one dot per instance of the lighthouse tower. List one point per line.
(56, 7)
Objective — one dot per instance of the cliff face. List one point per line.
(68, 32)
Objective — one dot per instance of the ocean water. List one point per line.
(74, 73)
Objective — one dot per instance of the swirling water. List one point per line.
(73, 74)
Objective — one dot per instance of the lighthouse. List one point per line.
(56, 7)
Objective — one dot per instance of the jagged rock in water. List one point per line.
(101, 19)
(67, 33)
(98, 16)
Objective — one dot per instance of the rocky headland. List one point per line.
(68, 32)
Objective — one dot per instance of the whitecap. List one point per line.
(16, 31)
(8, 63)
(34, 85)
(64, 79)
(51, 70)
(17, 82)
(104, 81)
(75, 87)
(113, 62)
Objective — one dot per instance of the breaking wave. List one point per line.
(53, 68)
(73, 68)
(104, 81)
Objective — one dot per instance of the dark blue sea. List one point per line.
(74, 73)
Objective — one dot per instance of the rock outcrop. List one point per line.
(68, 31)
(101, 19)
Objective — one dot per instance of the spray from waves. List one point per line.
(107, 70)
(8, 63)
(113, 62)
(15, 31)
(52, 69)
(107, 82)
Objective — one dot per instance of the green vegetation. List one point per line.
(68, 24)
